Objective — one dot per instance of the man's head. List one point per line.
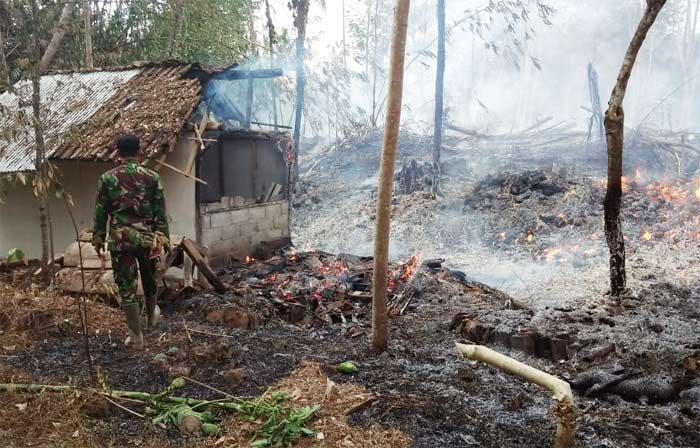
(128, 145)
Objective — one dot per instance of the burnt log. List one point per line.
(630, 385)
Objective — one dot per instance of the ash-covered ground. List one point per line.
(528, 220)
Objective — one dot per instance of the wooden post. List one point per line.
(190, 248)
(188, 270)
(386, 175)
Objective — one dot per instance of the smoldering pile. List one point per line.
(556, 216)
(317, 289)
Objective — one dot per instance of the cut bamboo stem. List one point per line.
(565, 411)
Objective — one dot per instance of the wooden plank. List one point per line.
(188, 268)
(178, 170)
(274, 190)
(202, 265)
(193, 154)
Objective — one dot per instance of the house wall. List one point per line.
(180, 190)
(19, 215)
(237, 232)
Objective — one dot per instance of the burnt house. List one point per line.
(225, 183)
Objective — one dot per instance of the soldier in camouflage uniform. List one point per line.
(131, 196)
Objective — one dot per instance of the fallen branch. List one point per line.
(565, 411)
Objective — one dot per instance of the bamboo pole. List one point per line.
(565, 411)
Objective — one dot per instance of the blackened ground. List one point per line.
(424, 388)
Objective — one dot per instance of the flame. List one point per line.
(646, 236)
(638, 174)
(404, 272)
(697, 193)
(530, 237)
(249, 260)
(625, 184)
(550, 255)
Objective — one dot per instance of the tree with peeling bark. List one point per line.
(300, 9)
(386, 175)
(614, 130)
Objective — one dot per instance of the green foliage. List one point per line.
(282, 424)
(15, 256)
(208, 31)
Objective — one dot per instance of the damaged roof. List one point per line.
(84, 112)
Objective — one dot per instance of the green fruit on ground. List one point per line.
(210, 429)
(347, 368)
(178, 383)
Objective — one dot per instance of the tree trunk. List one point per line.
(57, 36)
(614, 127)
(178, 7)
(596, 121)
(375, 63)
(87, 23)
(5, 68)
(439, 93)
(345, 51)
(301, 11)
(386, 175)
(254, 52)
(271, 42)
(40, 177)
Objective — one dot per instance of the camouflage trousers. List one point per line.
(126, 265)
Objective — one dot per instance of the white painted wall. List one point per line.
(180, 190)
(19, 216)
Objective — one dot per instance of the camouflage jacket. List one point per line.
(131, 196)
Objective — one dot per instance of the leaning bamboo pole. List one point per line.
(565, 411)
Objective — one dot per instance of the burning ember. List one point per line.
(646, 236)
(249, 260)
(293, 257)
(403, 274)
(550, 255)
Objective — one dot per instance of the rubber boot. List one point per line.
(133, 321)
(152, 312)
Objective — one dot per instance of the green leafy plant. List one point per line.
(15, 255)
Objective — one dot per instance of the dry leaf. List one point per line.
(330, 386)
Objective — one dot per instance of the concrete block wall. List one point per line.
(238, 231)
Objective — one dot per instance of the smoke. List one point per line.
(488, 92)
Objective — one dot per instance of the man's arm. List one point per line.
(99, 228)
(160, 217)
